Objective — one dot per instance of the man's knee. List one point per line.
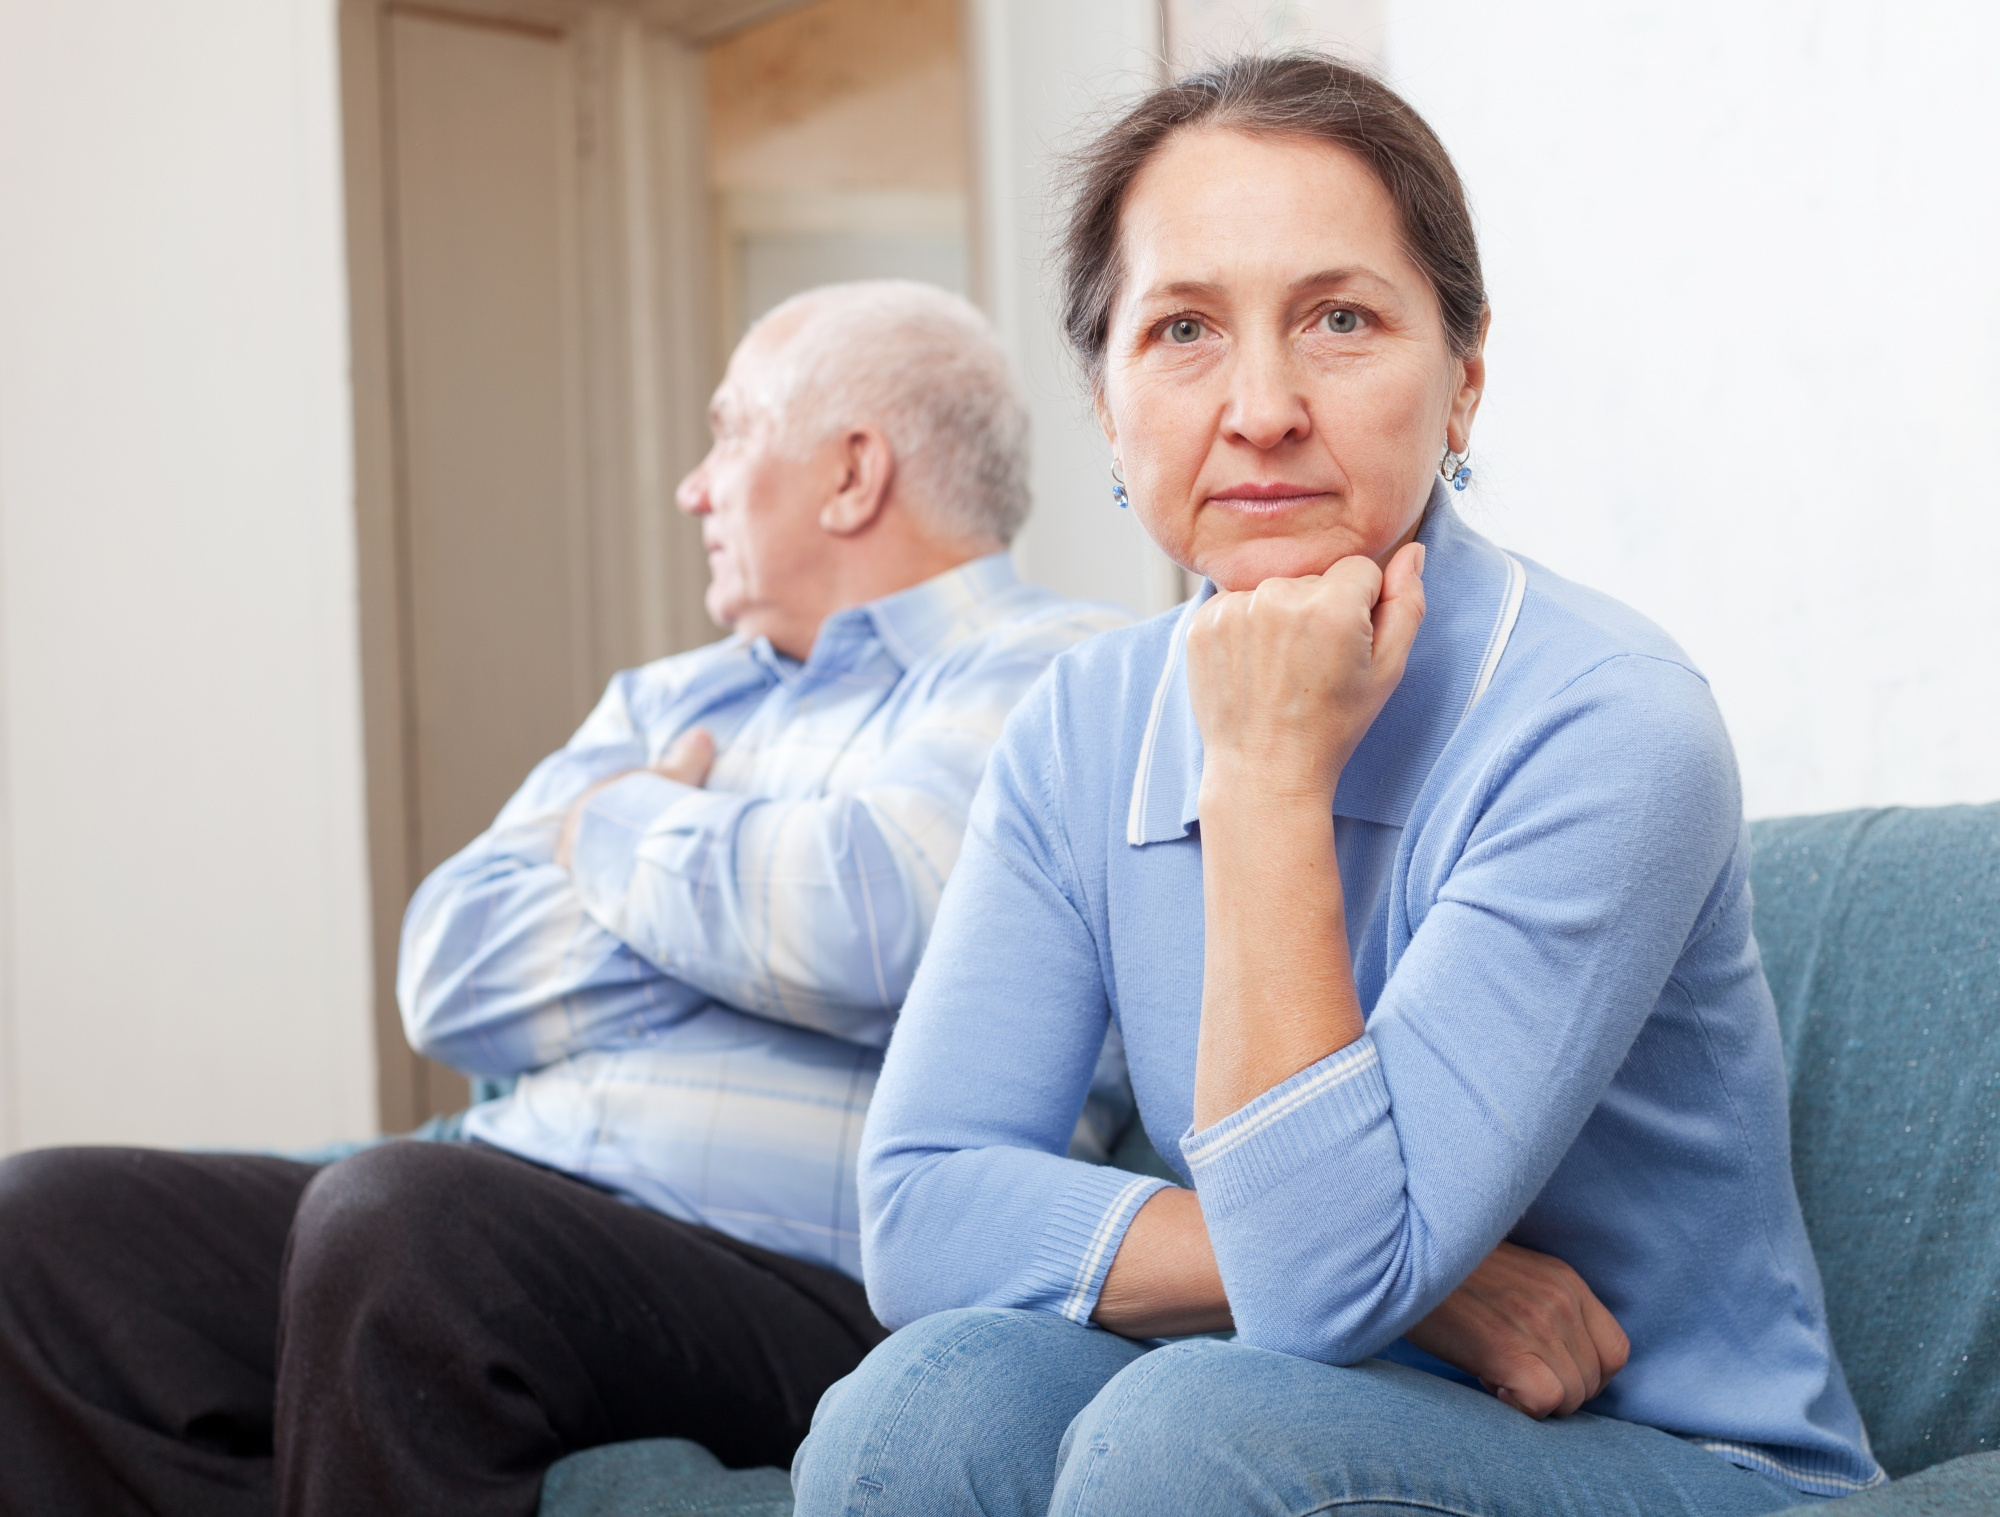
(38, 1190)
(363, 1220)
(58, 1203)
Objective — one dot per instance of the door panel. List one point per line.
(495, 520)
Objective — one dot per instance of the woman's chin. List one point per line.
(1245, 566)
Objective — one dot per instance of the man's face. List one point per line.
(759, 498)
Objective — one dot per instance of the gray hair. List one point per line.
(925, 367)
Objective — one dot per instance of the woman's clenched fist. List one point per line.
(1285, 679)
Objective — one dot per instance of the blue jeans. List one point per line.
(1018, 1414)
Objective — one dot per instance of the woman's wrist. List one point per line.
(1238, 793)
(1163, 1281)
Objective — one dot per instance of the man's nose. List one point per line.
(691, 495)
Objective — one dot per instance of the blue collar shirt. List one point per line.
(696, 1008)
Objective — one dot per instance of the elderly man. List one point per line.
(686, 939)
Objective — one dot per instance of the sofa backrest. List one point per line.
(1880, 932)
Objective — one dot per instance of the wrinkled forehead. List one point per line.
(755, 384)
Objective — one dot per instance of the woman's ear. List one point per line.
(867, 477)
(1097, 404)
(1471, 387)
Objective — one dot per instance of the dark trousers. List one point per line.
(422, 1328)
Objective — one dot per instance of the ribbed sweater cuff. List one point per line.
(1318, 1110)
(1082, 1236)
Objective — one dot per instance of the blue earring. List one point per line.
(1454, 468)
(1118, 494)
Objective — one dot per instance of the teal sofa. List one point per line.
(1881, 938)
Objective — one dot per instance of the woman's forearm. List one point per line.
(1277, 985)
(1523, 1323)
(1163, 1282)
(1285, 681)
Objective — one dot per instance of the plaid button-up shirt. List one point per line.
(697, 1007)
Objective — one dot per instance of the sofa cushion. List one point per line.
(661, 1477)
(1967, 1487)
(1880, 932)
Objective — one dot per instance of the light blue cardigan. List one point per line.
(1570, 1042)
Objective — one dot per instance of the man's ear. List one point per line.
(867, 467)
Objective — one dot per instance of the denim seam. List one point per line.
(1406, 1503)
(867, 1479)
(1128, 1381)
(1131, 1375)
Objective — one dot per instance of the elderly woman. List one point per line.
(1414, 878)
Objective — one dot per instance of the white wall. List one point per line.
(1742, 263)
(1741, 259)
(180, 758)
(1040, 68)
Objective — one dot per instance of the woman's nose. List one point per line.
(1266, 404)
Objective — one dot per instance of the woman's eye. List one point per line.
(1342, 321)
(1187, 329)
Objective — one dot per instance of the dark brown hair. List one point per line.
(1290, 95)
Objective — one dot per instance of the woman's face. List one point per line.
(1277, 385)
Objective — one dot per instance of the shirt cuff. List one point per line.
(1066, 1274)
(1298, 1122)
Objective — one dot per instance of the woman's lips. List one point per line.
(1261, 500)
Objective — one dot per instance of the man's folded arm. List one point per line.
(810, 911)
(501, 969)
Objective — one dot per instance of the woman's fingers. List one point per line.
(1399, 610)
(1612, 1347)
(1286, 679)
(1529, 1328)
(1538, 1391)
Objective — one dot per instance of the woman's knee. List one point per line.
(961, 1412)
(1212, 1418)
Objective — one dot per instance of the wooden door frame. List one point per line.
(642, 213)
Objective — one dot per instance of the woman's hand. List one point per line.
(1532, 1332)
(1523, 1324)
(1285, 679)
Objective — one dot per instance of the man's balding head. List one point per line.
(867, 436)
(924, 366)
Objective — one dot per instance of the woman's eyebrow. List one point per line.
(1324, 279)
(1182, 289)
(1327, 279)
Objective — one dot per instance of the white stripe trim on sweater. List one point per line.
(1503, 630)
(1791, 1473)
(1334, 1075)
(1142, 777)
(1100, 1240)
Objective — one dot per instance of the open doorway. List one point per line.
(837, 149)
(561, 216)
